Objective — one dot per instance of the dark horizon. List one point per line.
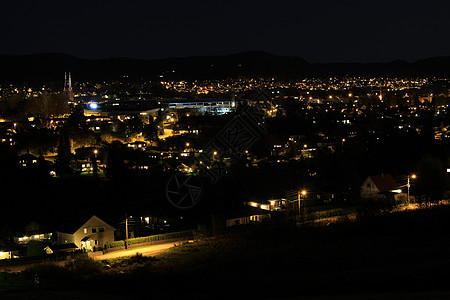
(223, 55)
(319, 32)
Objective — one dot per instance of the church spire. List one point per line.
(68, 92)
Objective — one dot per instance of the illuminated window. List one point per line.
(85, 230)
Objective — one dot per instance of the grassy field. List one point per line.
(402, 255)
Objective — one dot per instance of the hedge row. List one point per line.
(151, 238)
(329, 213)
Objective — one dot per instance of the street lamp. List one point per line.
(94, 165)
(300, 194)
(413, 176)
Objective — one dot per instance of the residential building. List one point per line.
(90, 236)
(376, 185)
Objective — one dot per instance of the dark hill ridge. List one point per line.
(51, 66)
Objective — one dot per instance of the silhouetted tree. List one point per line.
(64, 154)
(114, 160)
(150, 131)
(431, 179)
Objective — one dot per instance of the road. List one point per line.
(146, 251)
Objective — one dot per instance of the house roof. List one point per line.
(64, 247)
(385, 182)
(21, 228)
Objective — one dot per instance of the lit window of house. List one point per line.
(85, 230)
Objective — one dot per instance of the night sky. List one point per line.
(318, 31)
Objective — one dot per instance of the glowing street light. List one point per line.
(300, 211)
(412, 176)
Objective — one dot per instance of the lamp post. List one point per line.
(413, 176)
(300, 210)
(126, 231)
(94, 165)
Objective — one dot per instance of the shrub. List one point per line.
(47, 271)
(114, 244)
(84, 265)
(138, 258)
(376, 206)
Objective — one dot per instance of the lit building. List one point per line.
(93, 234)
(203, 106)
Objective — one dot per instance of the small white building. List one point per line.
(92, 235)
(376, 185)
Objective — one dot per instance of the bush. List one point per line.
(35, 248)
(114, 244)
(84, 265)
(139, 259)
(376, 206)
(47, 271)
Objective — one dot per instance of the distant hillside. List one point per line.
(51, 66)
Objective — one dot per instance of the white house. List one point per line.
(379, 184)
(90, 236)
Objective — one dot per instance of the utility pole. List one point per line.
(407, 198)
(413, 176)
(300, 210)
(126, 231)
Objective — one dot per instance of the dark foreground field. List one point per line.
(398, 256)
